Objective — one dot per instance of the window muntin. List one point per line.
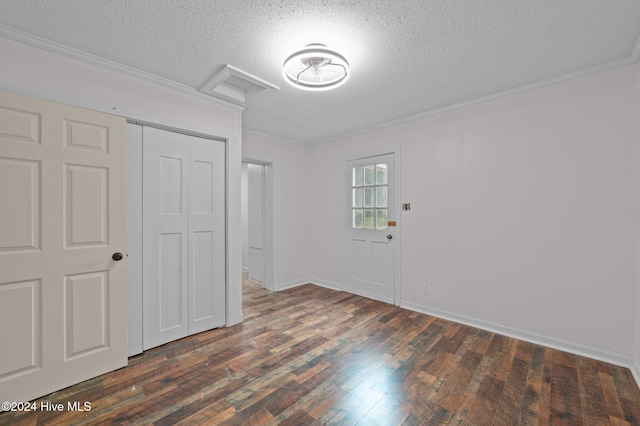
(369, 201)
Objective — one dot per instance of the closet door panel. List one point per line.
(165, 237)
(207, 234)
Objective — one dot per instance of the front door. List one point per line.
(370, 230)
(62, 221)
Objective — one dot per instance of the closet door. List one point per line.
(207, 236)
(184, 238)
(165, 237)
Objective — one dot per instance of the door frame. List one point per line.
(270, 169)
(346, 204)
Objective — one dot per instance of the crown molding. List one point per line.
(88, 58)
(273, 137)
(483, 99)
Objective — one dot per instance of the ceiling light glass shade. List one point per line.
(316, 68)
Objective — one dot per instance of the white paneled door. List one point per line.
(370, 228)
(62, 220)
(184, 238)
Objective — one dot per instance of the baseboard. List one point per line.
(539, 339)
(315, 281)
(291, 284)
(635, 370)
(245, 269)
(326, 284)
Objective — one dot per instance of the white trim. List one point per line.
(292, 284)
(515, 333)
(273, 137)
(326, 284)
(487, 98)
(398, 217)
(636, 326)
(233, 230)
(70, 52)
(315, 281)
(369, 296)
(635, 371)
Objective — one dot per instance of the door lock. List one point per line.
(389, 237)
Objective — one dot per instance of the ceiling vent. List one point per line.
(236, 86)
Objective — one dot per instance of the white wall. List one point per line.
(29, 70)
(522, 213)
(292, 220)
(244, 215)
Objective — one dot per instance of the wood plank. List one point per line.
(565, 395)
(509, 408)
(530, 404)
(594, 410)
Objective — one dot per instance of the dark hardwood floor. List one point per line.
(310, 355)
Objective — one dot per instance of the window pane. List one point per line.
(381, 174)
(357, 176)
(369, 219)
(381, 196)
(369, 174)
(357, 197)
(381, 219)
(368, 197)
(357, 218)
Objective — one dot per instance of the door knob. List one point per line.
(117, 256)
(389, 237)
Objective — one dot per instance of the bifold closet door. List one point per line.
(183, 235)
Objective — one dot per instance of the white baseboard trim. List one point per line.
(635, 370)
(291, 284)
(315, 281)
(245, 269)
(527, 336)
(326, 284)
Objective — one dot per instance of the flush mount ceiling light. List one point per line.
(316, 68)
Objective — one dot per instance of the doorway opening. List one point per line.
(257, 222)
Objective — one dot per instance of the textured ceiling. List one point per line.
(407, 56)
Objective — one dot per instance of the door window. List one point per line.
(369, 204)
